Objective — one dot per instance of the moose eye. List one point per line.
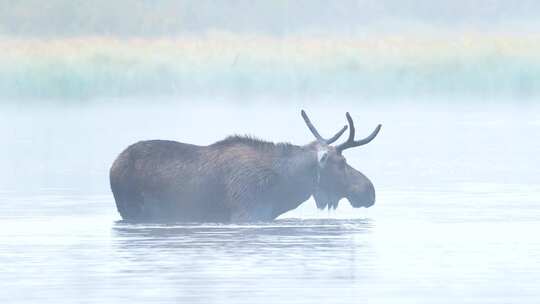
(323, 157)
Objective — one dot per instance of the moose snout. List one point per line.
(362, 195)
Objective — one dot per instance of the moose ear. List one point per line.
(322, 157)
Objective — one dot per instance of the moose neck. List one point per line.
(298, 178)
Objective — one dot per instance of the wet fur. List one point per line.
(237, 179)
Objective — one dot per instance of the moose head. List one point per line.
(335, 178)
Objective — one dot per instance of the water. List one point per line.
(455, 221)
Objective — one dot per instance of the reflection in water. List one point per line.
(323, 229)
(284, 258)
(264, 244)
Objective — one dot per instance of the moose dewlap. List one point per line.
(236, 179)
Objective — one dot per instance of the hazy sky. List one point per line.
(166, 17)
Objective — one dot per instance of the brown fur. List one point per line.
(238, 178)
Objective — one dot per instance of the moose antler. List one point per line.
(316, 133)
(350, 143)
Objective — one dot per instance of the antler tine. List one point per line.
(316, 133)
(352, 130)
(311, 126)
(350, 143)
(335, 137)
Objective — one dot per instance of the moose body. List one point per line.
(236, 179)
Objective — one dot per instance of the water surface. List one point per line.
(456, 217)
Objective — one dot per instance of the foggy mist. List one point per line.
(455, 85)
(62, 18)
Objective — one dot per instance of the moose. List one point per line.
(237, 179)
